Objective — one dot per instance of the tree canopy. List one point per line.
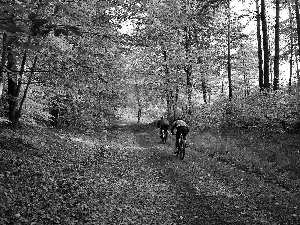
(74, 63)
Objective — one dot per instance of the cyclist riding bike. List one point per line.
(163, 125)
(182, 128)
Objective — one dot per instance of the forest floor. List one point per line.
(127, 176)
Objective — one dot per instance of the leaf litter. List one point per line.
(128, 177)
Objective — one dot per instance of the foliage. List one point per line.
(277, 111)
(123, 175)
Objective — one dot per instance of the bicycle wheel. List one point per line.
(178, 147)
(182, 148)
(164, 137)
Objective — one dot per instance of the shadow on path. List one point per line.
(194, 207)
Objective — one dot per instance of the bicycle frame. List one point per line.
(164, 136)
(181, 147)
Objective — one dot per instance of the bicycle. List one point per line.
(164, 136)
(181, 147)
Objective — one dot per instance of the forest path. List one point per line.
(205, 189)
(127, 176)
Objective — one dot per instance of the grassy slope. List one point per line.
(126, 176)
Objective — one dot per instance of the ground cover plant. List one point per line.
(83, 84)
(126, 176)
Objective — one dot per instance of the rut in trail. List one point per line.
(210, 191)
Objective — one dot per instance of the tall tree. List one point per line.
(276, 57)
(259, 48)
(5, 43)
(228, 53)
(291, 42)
(168, 90)
(298, 34)
(188, 68)
(265, 46)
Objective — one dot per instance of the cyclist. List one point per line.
(182, 128)
(163, 125)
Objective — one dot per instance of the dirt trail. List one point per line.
(209, 191)
(127, 176)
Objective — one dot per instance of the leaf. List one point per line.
(65, 32)
(10, 28)
(57, 32)
(30, 46)
(32, 15)
(75, 30)
(40, 22)
(8, 8)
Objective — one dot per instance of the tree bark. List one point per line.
(12, 84)
(204, 90)
(175, 102)
(228, 55)
(291, 43)
(276, 57)
(259, 48)
(168, 91)
(265, 46)
(33, 68)
(6, 41)
(298, 34)
(188, 70)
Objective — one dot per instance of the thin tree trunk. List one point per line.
(228, 55)
(297, 68)
(168, 90)
(138, 102)
(222, 88)
(176, 94)
(204, 90)
(189, 89)
(265, 46)
(260, 60)
(291, 43)
(12, 84)
(19, 111)
(138, 97)
(175, 102)
(188, 70)
(6, 42)
(298, 34)
(2, 64)
(298, 21)
(276, 57)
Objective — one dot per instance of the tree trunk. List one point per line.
(298, 22)
(168, 91)
(265, 46)
(204, 90)
(228, 55)
(138, 97)
(139, 114)
(188, 70)
(291, 44)
(276, 57)
(189, 89)
(260, 60)
(6, 41)
(33, 68)
(297, 69)
(175, 101)
(12, 84)
(298, 34)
